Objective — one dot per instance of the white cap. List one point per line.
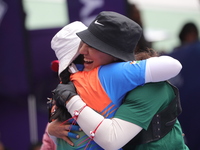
(65, 44)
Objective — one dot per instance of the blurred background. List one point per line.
(26, 76)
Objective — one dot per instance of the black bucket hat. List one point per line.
(114, 34)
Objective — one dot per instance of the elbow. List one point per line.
(177, 67)
(109, 143)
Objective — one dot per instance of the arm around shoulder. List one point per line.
(108, 132)
(161, 68)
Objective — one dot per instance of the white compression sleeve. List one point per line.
(161, 68)
(110, 132)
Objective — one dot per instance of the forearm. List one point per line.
(110, 131)
(161, 68)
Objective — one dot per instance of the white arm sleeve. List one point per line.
(161, 68)
(110, 132)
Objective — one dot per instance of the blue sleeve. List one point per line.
(119, 78)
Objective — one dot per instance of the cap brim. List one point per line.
(87, 37)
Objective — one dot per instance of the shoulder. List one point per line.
(124, 67)
(151, 88)
(152, 95)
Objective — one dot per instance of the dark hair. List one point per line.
(188, 28)
(143, 50)
(145, 54)
(133, 13)
(65, 74)
(61, 112)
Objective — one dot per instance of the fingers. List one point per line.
(60, 130)
(74, 128)
(73, 135)
(71, 120)
(66, 139)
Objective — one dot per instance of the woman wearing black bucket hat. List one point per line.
(124, 72)
(113, 34)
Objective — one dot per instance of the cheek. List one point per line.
(106, 59)
(101, 58)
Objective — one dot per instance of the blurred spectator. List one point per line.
(188, 34)
(188, 82)
(134, 13)
(149, 37)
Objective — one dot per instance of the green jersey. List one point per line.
(139, 107)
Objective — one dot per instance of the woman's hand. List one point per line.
(60, 130)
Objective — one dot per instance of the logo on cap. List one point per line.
(96, 22)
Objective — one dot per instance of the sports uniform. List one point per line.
(153, 98)
(104, 87)
(103, 90)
